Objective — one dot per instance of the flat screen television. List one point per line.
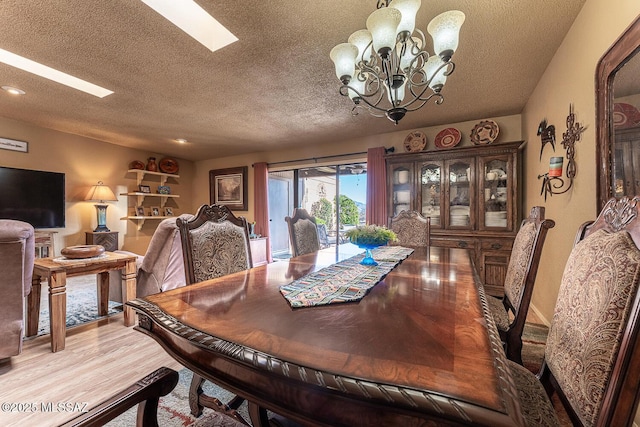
(36, 197)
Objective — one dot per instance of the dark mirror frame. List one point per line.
(627, 45)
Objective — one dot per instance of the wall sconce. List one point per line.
(101, 193)
(552, 182)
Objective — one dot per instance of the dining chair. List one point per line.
(592, 355)
(303, 232)
(214, 243)
(510, 312)
(411, 228)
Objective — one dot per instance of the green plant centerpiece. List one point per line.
(368, 237)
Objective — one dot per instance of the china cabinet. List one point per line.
(472, 197)
(626, 162)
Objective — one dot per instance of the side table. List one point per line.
(56, 270)
(108, 239)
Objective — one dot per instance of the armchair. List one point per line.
(161, 268)
(17, 252)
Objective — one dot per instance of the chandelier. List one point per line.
(384, 68)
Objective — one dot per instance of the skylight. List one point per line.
(52, 74)
(195, 21)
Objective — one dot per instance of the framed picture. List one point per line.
(155, 211)
(144, 188)
(164, 189)
(139, 211)
(168, 211)
(14, 145)
(229, 187)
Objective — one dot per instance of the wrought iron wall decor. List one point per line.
(552, 181)
(547, 135)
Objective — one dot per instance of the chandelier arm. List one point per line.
(439, 100)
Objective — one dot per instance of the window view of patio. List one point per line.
(335, 195)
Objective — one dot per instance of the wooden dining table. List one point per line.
(419, 349)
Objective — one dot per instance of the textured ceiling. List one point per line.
(274, 88)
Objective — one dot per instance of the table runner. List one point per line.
(346, 281)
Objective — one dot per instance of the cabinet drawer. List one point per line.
(462, 242)
(496, 245)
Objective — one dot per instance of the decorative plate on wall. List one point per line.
(625, 115)
(484, 132)
(415, 141)
(447, 138)
(168, 165)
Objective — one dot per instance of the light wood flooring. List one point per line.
(100, 359)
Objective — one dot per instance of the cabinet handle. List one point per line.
(462, 244)
(496, 246)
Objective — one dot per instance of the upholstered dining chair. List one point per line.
(303, 232)
(592, 355)
(411, 228)
(510, 312)
(214, 243)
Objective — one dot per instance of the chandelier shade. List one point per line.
(384, 68)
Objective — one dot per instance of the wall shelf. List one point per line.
(140, 197)
(141, 219)
(140, 174)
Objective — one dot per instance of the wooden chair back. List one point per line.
(521, 276)
(303, 232)
(214, 243)
(411, 228)
(592, 357)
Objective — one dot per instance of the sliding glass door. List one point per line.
(335, 195)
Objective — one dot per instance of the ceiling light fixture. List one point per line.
(384, 68)
(52, 74)
(195, 21)
(181, 140)
(13, 90)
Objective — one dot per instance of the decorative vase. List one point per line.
(368, 257)
(151, 164)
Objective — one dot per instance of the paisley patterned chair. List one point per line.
(303, 232)
(592, 356)
(411, 228)
(214, 243)
(510, 312)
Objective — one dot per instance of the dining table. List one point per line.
(420, 348)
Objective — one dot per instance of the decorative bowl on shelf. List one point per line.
(369, 237)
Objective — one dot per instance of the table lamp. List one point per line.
(101, 193)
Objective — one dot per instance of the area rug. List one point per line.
(82, 303)
(534, 338)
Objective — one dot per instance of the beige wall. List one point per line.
(510, 130)
(84, 162)
(569, 78)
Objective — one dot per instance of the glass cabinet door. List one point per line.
(461, 197)
(401, 188)
(496, 197)
(430, 191)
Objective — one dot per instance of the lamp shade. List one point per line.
(438, 78)
(444, 30)
(344, 58)
(383, 24)
(408, 9)
(361, 39)
(100, 193)
(358, 85)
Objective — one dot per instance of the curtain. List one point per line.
(376, 187)
(261, 202)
